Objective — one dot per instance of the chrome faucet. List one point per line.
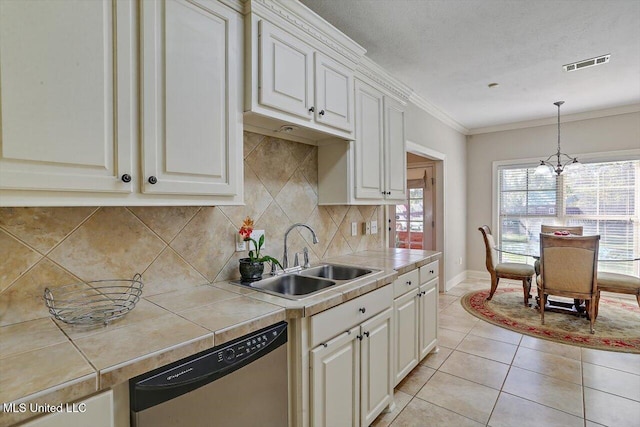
(285, 257)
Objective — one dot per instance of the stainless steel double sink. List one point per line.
(304, 283)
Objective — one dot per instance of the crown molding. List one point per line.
(381, 77)
(625, 109)
(428, 107)
(305, 20)
(237, 5)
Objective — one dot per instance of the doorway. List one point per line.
(413, 222)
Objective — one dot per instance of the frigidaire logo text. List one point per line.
(174, 376)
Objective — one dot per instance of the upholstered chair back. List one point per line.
(575, 230)
(490, 252)
(569, 264)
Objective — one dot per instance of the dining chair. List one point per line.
(505, 270)
(568, 268)
(575, 230)
(617, 283)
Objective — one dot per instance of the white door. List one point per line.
(66, 112)
(369, 154)
(406, 310)
(428, 317)
(333, 94)
(335, 381)
(286, 72)
(395, 152)
(190, 54)
(376, 391)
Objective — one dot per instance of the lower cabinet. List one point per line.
(351, 380)
(96, 411)
(415, 310)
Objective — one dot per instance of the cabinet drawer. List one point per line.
(336, 320)
(428, 272)
(405, 283)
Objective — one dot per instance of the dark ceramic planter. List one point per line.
(250, 271)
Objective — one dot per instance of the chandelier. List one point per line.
(546, 167)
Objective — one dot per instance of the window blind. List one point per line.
(603, 197)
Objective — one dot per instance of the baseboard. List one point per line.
(457, 279)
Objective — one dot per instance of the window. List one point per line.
(410, 219)
(602, 197)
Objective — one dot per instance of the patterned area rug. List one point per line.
(617, 326)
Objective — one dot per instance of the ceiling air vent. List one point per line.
(587, 63)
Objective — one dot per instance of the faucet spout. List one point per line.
(285, 257)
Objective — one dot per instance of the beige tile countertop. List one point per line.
(47, 361)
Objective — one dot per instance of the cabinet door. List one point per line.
(333, 94)
(369, 154)
(406, 312)
(335, 381)
(428, 317)
(190, 81)
(376, 391)
(96, 411)
(395, 154)
(286, 71)
(66, 113)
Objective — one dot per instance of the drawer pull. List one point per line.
(362, 310)
(321, 112)
(152, 180)
(431, 271)
(312, 109)
(366, 334)
(126, 177)
(409, 282)
(325, 345)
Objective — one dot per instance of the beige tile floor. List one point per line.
(484, 375)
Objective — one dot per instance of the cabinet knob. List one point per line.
(431, 271)
(409, 282)
(359, 337)
(126, 177)
(423, 292)
(362, 310)
(325, 345)
(419, 294)
(152, 179)
(321, 112)
(388, 193)
(366, 334)
(312, 109)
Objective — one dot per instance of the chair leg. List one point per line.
(494, 286)
(597, 305)
(592, 315)
(526, 288)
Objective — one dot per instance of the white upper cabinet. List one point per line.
(371, 169)
(66, 92)
(286, 72)
(189, 79)
(102, 106)
(395, 159)
(333, 104)
(369, 146)
(300, 73)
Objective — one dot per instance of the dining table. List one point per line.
(531, 248)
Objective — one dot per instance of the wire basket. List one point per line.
(99, 303)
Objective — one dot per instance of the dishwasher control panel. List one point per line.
(250, 345)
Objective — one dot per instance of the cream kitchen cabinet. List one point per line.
(294, 78)
(95, 411)
(71, 129)
(415, 311)
(190, 55)
(350, 375)
(371, 169)
(67, 96)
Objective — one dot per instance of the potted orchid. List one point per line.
(251, 268)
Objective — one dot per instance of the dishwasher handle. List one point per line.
(191, 373)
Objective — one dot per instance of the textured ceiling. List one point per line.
(448, 51)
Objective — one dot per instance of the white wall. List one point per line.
(620, 132)
(427, 131)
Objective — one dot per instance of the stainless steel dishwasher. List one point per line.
(241, 383)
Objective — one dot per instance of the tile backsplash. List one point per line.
(174, 247)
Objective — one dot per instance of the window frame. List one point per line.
(609, 156)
